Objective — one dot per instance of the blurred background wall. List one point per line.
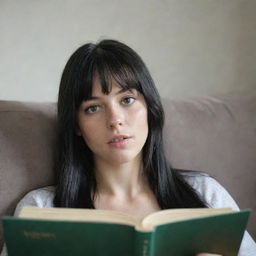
(199, 47)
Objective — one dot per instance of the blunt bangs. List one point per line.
(108, 67)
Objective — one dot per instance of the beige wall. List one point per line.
(192, 47)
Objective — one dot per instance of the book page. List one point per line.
(90, 215)
(107, 216)
(173, 215)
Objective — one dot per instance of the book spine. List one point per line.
(143, 243)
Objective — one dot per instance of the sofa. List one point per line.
(214, 134)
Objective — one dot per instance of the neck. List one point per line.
(122, 180)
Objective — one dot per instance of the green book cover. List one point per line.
(221, 233)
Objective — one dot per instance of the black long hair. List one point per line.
(76, 182)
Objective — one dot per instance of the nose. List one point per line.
(115, 118)
(115, 123)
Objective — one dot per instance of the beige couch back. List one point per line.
(212, 134)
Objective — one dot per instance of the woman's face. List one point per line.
(114, 125)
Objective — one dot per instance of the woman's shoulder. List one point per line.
(211, 191)
(198, 179)
(41, 197)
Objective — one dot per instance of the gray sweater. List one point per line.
(208, 188)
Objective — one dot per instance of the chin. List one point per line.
(126, 158)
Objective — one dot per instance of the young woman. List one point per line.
(110, 145)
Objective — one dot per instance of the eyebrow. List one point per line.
(119, 92)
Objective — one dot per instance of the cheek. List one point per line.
(89, 132)
(139, 120)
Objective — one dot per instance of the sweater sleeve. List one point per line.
(216, 196)
(42, 197)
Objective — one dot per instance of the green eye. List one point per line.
(128, 100)
(92, 109)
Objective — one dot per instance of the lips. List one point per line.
(118, 138)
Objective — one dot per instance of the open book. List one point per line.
(175, 232)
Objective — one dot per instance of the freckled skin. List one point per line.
(110, 115)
